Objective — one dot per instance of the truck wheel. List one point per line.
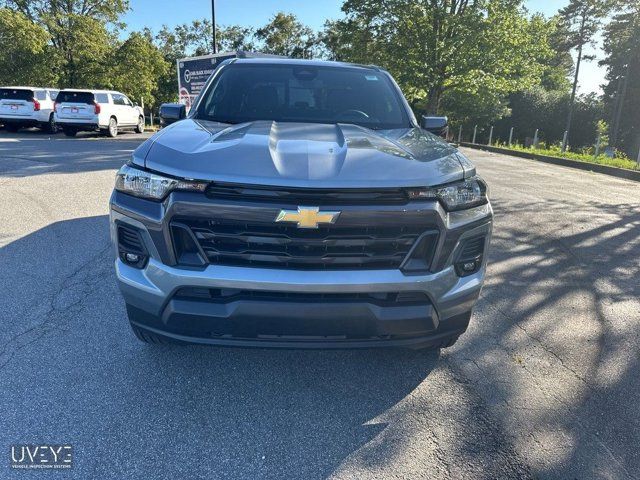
(51, 125)
(112, 131)
(449, 342)
(70, 132)
(140, 125)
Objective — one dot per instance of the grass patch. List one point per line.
(619, 161)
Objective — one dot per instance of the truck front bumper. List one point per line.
(281, 308)
(270, 307)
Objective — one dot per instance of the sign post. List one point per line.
(213, 25)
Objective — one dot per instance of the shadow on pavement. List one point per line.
(34, 153)
(130, 408)
(561, 303)
(183, 412)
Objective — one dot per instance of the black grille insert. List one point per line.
(229, 242)
(308, 196)
(227, 295)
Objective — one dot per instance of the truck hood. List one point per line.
(302, 155)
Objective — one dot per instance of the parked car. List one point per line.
(97, 110)
(299, 203)
(27, 107)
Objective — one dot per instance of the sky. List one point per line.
(155, 13)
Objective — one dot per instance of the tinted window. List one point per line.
(102, 98)
(292, 93)
(16, 94)
(53, 94)
(75, 97)
(41, 95)
(118, 99)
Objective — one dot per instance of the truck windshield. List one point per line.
(291, 93)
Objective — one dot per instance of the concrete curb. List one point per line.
(565, 162)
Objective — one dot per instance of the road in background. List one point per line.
(543, 385)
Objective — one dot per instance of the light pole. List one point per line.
(213, 24)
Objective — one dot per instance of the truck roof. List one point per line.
(303, 62)
(29, 88)
(90, 90)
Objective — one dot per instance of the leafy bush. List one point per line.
(620, 160)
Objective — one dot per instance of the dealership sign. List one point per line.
(194, 72)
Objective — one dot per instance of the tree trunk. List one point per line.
(433, 100)
(575, 82)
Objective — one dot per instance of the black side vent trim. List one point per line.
(472, 248)
(130, 239)
(131, 249)
(470, 257)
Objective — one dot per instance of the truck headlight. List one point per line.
(141, 183)
(456, 196)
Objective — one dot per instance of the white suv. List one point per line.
(92, 110)
(27, 107)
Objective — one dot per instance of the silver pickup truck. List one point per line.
(299, 204)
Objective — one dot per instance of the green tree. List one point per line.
(622, 91)
(23, 51)
(136, 66)
(82, 33)
(546, 110)
(285, 35)
(559, 64)
(461, 56)
(581, 20)
(190, 39)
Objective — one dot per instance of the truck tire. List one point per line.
(50, 126)
(112, 130)
(140, 125)
(449, 342)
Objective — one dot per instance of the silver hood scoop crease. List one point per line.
(302, 155)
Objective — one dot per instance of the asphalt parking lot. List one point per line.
(543, 385)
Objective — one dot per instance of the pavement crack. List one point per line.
(69, 282)
(543, 346)
(569, 407)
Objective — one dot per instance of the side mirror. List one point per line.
(436, 125)
(171, 113)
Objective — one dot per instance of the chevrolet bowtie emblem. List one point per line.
(307, 217)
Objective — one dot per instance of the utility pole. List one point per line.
(213, 25)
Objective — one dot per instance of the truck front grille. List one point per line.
(333, 247)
